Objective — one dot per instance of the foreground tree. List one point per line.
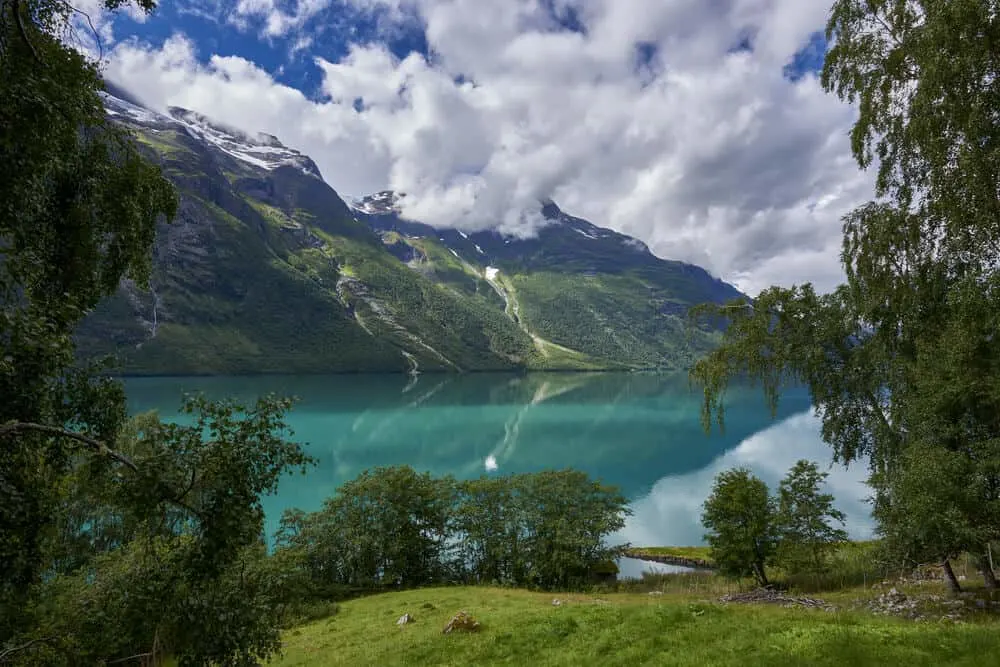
(933, 506)
(739, 517)
(920, 259)
(118, 541)
(163, 557)
(78, 209)
(804, 519)
(386, 528)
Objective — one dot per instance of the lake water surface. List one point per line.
(638, 431)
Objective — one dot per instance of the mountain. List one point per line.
(266, 269)
(575, 284)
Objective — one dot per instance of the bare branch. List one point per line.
(173, 497)
(97, 35)
(8, 652)
(96, 445)
(168, 494)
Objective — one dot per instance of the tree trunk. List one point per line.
(950, 578)
(989, 578)
(761, 575)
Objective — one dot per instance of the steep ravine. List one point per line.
(513, 310)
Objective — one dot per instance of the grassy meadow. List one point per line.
(683, 626)
(663, 619)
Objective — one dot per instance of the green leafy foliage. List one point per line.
(119, 540)
(78, 209)
(749, 529)
(934, 504)
(803, 519)
(165, 558)
(384, 529)
(739, 518)
(903, 355)
(395, 528)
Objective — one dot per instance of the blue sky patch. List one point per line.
(290, 62)
(807, 60)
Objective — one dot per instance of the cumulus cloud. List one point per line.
(672, 122)
(276, 19)
(670, 513)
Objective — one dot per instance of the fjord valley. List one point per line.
(267, 270)
(453, 332)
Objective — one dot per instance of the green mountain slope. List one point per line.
(267, 270)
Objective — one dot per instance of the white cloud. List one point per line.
(707, 155)
(276, 20)
(671, 512)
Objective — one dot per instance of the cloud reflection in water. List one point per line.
(670, 513)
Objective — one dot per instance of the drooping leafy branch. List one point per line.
(921, 261)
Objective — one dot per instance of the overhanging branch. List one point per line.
(169, 495)
(19, 20)
(95, 445)
(7, 653)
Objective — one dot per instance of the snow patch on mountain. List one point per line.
(117, 107)
(261, 150)
(380, 203)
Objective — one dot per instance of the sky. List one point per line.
(697, 126)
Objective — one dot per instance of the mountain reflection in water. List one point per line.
(639, 431)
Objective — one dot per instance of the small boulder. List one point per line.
(461, 621)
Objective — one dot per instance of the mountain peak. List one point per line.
(550, 211)
(193, 118)
(260, 150)
(379, 203)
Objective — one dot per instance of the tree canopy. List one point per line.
(903, 353)
(119, 539)
(739, 518)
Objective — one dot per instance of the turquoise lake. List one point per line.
(639, 431)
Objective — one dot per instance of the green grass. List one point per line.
(851, 564)
(519, 627)
(162, 142)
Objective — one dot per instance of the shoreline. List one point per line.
(693, 563)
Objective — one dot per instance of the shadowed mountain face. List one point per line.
(267, 269)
